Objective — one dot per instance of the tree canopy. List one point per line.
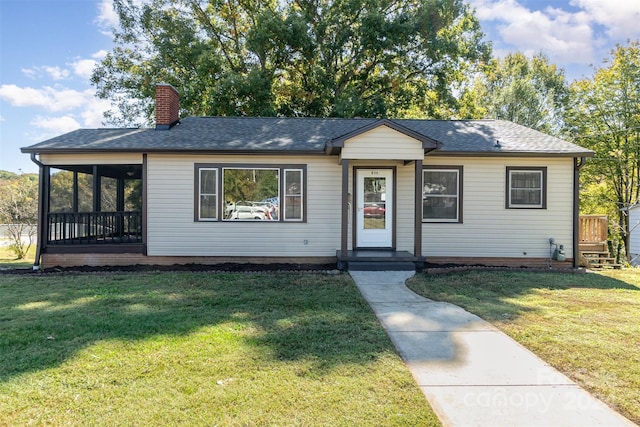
(605, 117)
(321, 58)
(529, 91)
(19, 210)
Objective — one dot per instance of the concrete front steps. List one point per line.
(379, 260)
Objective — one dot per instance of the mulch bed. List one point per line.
(224, 267)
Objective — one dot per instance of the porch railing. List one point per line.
(593, 228)
(94, 228)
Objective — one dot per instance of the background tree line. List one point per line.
(372, 58)
(19, 211)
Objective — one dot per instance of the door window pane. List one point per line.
(375, 201)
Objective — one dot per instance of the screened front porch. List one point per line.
(93, 205)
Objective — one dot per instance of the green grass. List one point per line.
(8, 258)
(226, 349)
(586, 325)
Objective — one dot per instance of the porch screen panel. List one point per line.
(108, 191)
(208, 208)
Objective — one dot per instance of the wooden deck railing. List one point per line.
(593, 228)
(92, 228)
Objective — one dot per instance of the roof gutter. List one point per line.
(578, 163)
(41, 206)
(440, 153)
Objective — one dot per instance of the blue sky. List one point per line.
(49, 47)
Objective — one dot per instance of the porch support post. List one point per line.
(417, 232)
(143, 226)
(120, 195)
(577, 164)
(345, 208)
(43, 209)
(97, 197)
(75, 192)
(120, 205)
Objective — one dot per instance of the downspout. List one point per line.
(577, 165)
(41, 195)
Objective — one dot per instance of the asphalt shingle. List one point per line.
(304, 135)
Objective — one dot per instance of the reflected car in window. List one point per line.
(250, 211)
(374, 210)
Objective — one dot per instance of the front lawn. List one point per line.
(194, 349)
(586, 325)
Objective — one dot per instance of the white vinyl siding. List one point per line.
(382, 143)
(492, 230)
(173, 232)
(405, 207)
(489, 228)
(634, 239)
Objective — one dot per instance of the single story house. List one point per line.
(353, 192)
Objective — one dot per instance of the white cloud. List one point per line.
(56, 73)
(100, 54)
(107, 16)
(48, 98)
(564, 36)
(567, 37)
(619, 17)
(56, 125)
(93, 113)
(22, 97)
(84, 67)
(29, 72)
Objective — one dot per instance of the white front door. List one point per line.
(374, 208)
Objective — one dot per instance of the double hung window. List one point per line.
(442, 194)
(526, 188)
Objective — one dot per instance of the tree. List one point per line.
(19, 211)
(531, 92)
(319, 58)
(605, 117)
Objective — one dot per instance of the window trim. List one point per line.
(543, 196)
(198, 198)
(279, 167)
(459, 196)
(283, 192)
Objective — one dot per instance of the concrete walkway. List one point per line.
(471, 373)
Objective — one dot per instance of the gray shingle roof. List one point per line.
(304, 135)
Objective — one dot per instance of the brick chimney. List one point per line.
(167, 106)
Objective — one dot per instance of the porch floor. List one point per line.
(379, 260)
